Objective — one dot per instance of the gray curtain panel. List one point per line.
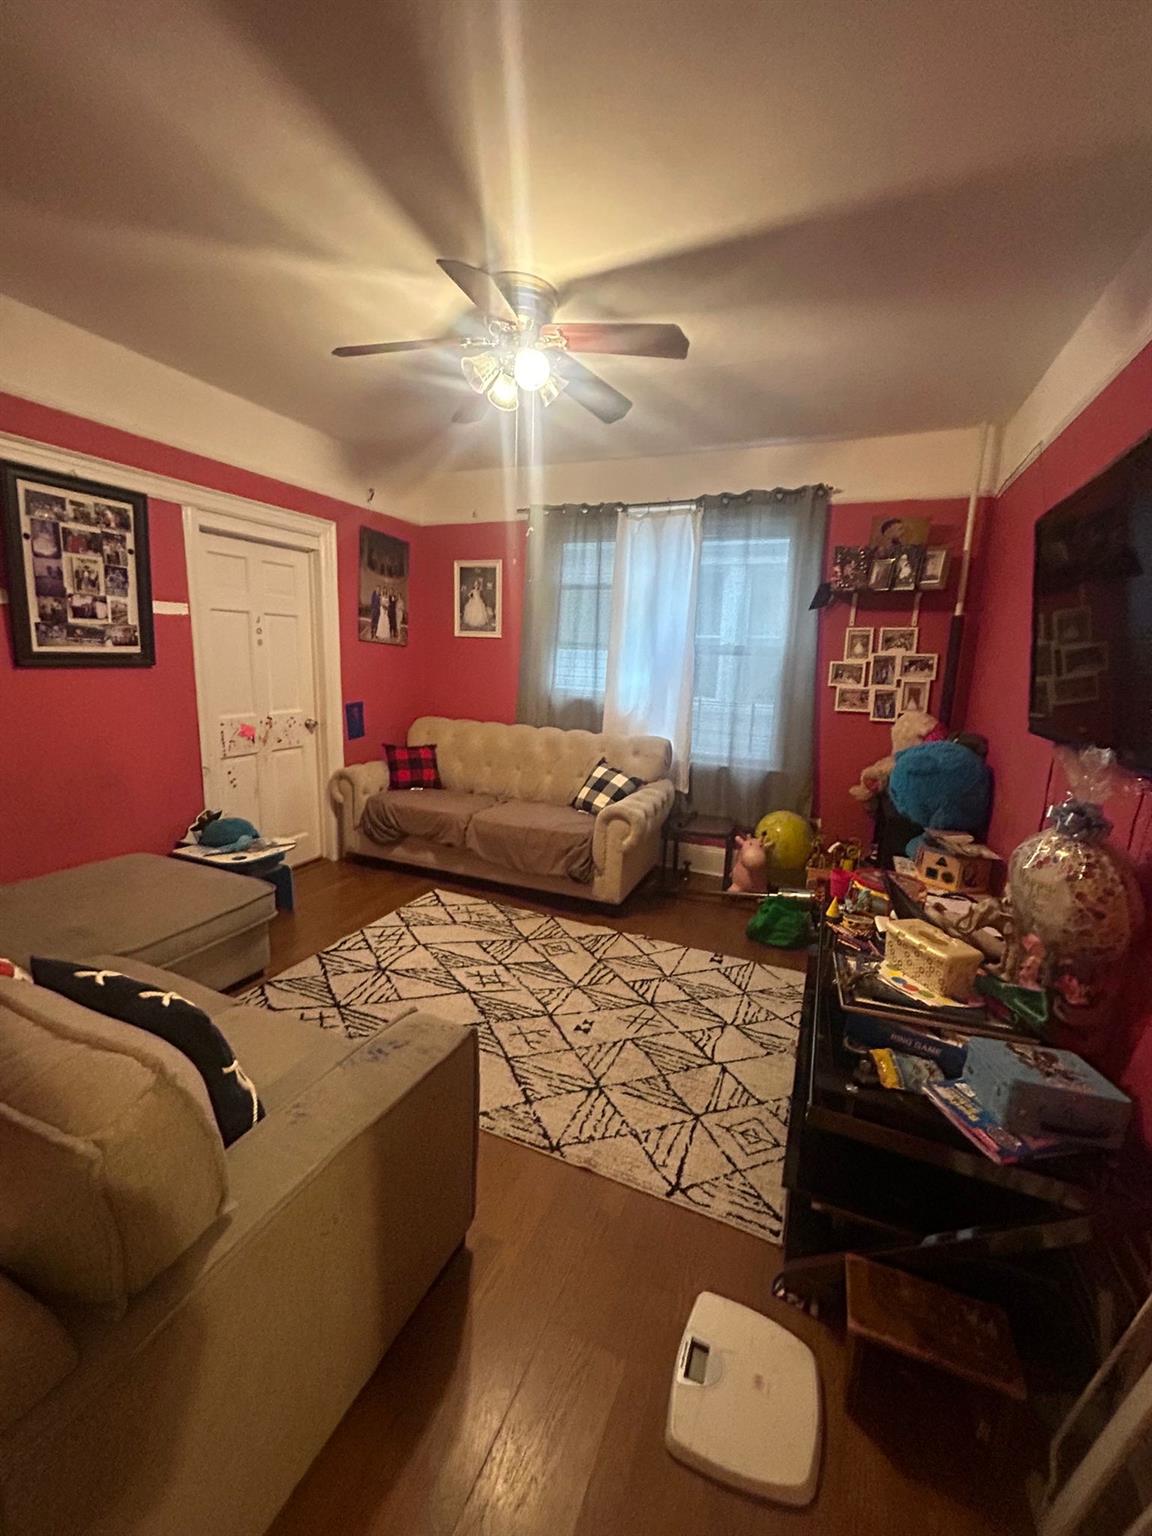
(569, 562)
(761, 559)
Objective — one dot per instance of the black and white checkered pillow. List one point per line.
(604, 786)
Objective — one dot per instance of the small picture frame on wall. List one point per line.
(79, 580)
(882, 573)
(916, 665)
(885, 670)
(850, 674)
(858, 642)
(899, 637)
(908, 566)
(884, 704)
(853, 701)
(850, 567)
(479, 598)
(915, 695)
(934, 571)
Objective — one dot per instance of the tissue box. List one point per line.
(1035, 1091)
(931, 956)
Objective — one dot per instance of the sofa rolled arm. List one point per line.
(351, 787)
(642, 815)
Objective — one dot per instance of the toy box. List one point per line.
(1035, 1091)
(955, 864)
(931, 956)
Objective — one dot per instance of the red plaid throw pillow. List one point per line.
(412, 767)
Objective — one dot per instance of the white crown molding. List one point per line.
(68, 461)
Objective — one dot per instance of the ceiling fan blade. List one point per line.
(472, 409)
(479, 286)
(625, 339)
(590, 390)
(370, 349)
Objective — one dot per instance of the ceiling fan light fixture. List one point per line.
(481, 369)
(552, 388)
(502, 392)
(532, 368)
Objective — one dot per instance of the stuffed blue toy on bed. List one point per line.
(944, 785)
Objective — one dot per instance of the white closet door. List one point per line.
(256, 681)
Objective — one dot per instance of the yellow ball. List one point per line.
(787, 837)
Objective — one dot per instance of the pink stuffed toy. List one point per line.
(750, 871)
(913, 727)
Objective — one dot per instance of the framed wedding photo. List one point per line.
(79, 581)
(479, 598)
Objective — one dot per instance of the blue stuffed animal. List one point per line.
(943, 785)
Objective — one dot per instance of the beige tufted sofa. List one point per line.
(536, 764)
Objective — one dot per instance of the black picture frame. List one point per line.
(27, 650)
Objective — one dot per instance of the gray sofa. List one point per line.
(182, 1327)
(204, 923)
(505, 810)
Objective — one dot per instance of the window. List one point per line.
(742, 618)
(587, 560)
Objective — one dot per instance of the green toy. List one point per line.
(781, 923)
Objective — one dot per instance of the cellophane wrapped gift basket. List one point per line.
(1076, 908)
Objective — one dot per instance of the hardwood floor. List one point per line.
(526, 1396)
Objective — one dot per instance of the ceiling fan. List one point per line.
(518, 346)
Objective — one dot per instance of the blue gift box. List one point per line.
(1035, 1091)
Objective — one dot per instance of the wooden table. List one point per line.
(698, 830)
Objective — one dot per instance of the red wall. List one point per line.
(996, 677)
(848, 743)
(96, 763)
(996, 672)
(468, 678)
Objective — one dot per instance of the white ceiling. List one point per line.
(869, 218)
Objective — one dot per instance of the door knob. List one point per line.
(310, 725)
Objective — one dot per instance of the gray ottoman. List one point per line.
(204, 923)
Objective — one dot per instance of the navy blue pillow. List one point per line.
(170, 1017)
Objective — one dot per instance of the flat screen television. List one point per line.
(1092, 615)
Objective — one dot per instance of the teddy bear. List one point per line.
(912, 727)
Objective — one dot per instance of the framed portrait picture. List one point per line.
(934, 570)
(853, 701)
(915, 695)
(918, 664)
(858, 642)
(79, 580)
(885, 670)
(383, 588)
(850, 563)
(899, 637)
(884, 702)
(848, 673)
(479, 598)
(892, 533)
(881, 573)
(908, 566)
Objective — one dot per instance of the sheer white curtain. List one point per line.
(651, 650)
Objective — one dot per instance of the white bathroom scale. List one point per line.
(745, 1403)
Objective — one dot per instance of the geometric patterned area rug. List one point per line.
(665, 1068)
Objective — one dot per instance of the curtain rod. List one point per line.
(666, 506)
